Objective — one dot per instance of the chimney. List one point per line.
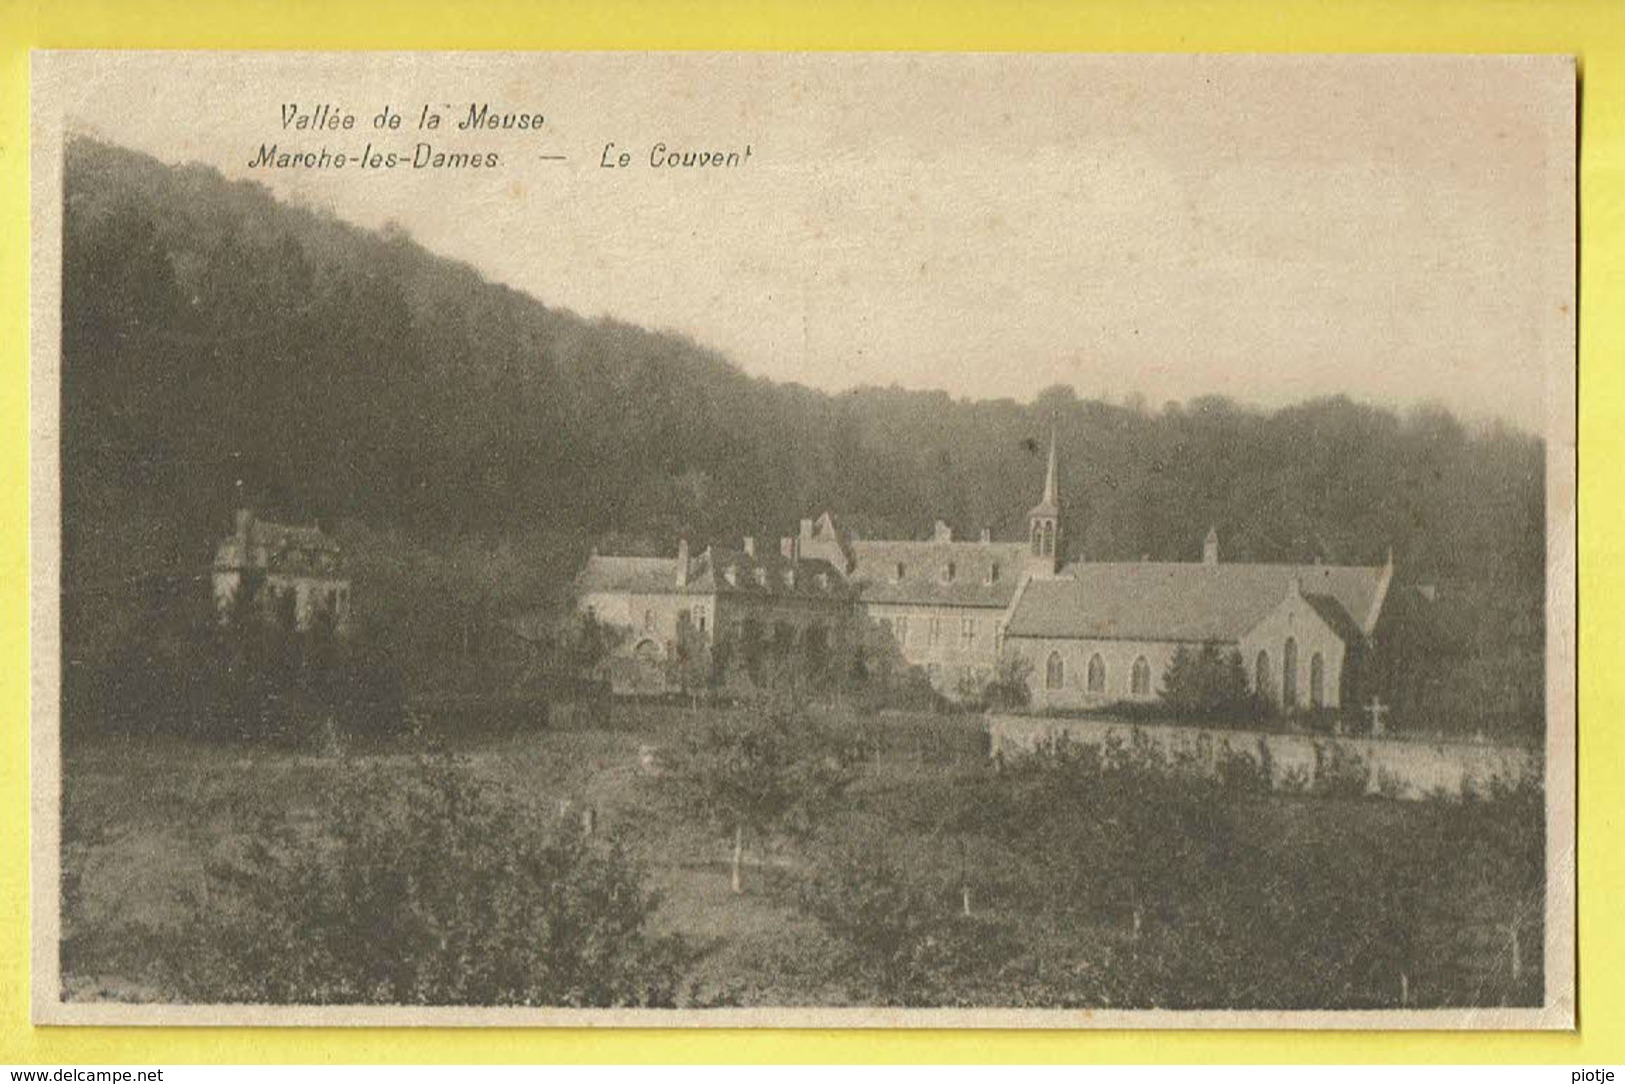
(942, 532)
(682, 562)
(987, 535)
(1210, 547)
(806, 528)
(750, 546)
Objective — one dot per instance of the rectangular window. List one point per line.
(998, 636)
(967, 632)
(902, 631)
(935, 631)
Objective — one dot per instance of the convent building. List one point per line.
(1083, 634)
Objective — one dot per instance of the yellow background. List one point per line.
(1594, 30)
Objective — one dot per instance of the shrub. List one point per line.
(1115, 830)
(900, 940)
(1241, 772)
(424, 889)
(1294, 780)
(1207, 683)
(1340, 772)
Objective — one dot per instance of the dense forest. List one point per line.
(470, 443)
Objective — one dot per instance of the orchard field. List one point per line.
(926, 874)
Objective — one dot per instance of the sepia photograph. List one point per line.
(859, 540)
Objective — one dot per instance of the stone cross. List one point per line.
(1376, 709)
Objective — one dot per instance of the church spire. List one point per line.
(1044, 521)
(1051, 504)
(1052, 489)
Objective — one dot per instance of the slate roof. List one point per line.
(812, 577)
(780, 577)
(1189, 602)
(875, 572)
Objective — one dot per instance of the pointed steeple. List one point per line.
(1044, 521)
(1051, 504)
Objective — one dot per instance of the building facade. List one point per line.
(1081, 635)
(724, 610)
(295, 573)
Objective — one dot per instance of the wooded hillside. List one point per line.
(471, 443)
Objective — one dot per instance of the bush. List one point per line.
(1242, 773)
(427, 890)
(1117, 831)
(1340, 772)
(901, 941)
(1207, 683)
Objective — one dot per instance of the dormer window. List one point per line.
(949, 571)
(897, 575)
(993, 572)
(731, 574)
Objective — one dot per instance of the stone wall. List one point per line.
(1409, 770)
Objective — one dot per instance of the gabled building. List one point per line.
(1099, 633)
(1085, 633)
(295, 572)
(731, 605)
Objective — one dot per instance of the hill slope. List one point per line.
(220, 347)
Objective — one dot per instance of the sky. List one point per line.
(1269, 228)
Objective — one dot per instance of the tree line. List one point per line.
(469, 443)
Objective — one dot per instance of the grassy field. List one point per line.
(143, 819)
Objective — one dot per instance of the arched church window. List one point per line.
(1261, 674)
(1054, 671)
(1097, 674)
(1289, 674)
(1140, 679)
(1049, 540)
(1317, 680)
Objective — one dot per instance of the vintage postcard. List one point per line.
(804, 540)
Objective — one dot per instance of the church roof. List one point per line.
(924, 565)
(1189, 602)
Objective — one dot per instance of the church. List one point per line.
(1084, 634)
